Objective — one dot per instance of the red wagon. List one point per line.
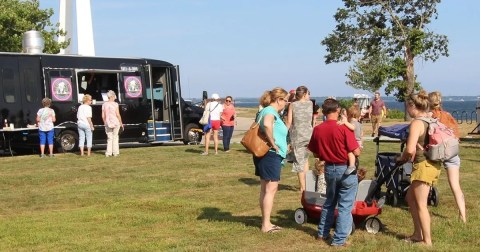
(364, 212)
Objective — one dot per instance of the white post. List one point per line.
(65, 20)
(84, 28)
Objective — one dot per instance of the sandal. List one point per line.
(409, 239)
(273, 229)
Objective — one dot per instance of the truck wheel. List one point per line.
(192, 134)
(68, 140)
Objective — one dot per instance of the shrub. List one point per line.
(395, 114)
(345, 103)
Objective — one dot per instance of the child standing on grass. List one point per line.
(45, 120)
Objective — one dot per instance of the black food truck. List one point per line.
(148, 92)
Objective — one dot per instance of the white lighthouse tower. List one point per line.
(83, 12)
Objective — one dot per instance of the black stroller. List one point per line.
(395, 177)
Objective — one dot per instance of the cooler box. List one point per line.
(163, 131)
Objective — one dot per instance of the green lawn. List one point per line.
(171, 198)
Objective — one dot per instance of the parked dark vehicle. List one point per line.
(149, 95)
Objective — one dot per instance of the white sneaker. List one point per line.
(350, 169)
(204, 154)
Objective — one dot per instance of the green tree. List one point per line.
(383, 38)
(17, 17)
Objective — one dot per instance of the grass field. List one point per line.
(169, 198)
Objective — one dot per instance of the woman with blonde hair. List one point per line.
(425, 172)
(269, 166)
(452, 165)
(85, 125)
(112, 121)
(299, 121)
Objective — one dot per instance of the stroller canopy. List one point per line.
(398, 131)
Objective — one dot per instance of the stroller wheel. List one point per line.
(300, 216)
(373, 225)
(392, 198)
(433, 196)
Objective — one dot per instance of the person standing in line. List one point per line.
(268, 167)
(424, 172)
(216, 110)
(452, 165)
(45, 119)
(291, 98)
(112, 121)
(85, 125)
(228, 122)
(376, 112)
(299, 121)
(331, 143)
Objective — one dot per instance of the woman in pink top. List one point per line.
(228, 122)
(112, 121)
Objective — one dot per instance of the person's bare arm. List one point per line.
(117, 112)
(104, 117)
(416, 130)
(268, 121)
(89, 119)
(357, 152)
(349, 125)
(289, 116)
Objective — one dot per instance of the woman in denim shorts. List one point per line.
(268, 167)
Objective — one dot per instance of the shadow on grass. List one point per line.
(285, 219)
(256, 182)
(471, 147)
(199, 150)
(471, 159)
(243, 151)
(249, 181)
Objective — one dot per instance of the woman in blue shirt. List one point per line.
(269, 166)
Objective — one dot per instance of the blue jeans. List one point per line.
(227, 136)
(341, 190)
(84, 131)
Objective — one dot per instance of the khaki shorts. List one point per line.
(425, 171)
(376, 118)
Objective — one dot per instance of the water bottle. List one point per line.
(6, 124)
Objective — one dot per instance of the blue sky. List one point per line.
(242, 48)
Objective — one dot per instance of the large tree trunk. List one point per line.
(409, 78)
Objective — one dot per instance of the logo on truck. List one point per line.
(133, 86)
(61, 89)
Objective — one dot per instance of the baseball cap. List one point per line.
(215, 96)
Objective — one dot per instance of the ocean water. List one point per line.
(461, 107)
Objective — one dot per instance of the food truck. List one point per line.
(148, 92)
